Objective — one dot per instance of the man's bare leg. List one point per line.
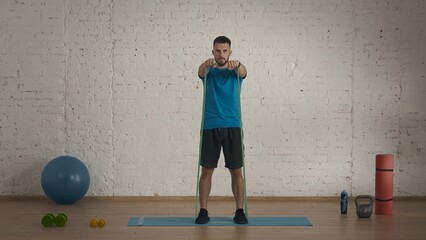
(204, 188)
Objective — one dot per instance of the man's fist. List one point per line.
(233, 64)
(211, 62)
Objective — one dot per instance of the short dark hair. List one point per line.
(222, 39)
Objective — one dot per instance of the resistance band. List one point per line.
(242, 145)
(201, 144)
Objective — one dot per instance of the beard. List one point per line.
(222, 61)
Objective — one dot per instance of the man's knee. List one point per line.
(236, 173)
(207, 173)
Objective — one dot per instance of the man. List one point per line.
(222, 125)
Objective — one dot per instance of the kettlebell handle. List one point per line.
(363, 197)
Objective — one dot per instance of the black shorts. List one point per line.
(214, 140)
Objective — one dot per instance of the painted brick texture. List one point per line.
(114, 83)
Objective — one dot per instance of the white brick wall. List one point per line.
(114, 83)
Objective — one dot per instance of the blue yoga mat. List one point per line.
(218, 221)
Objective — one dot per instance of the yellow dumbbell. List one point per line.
(95, 223)
(101, 223)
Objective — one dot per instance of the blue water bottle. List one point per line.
(343, 202)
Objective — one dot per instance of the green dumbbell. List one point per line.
(60, 220)
(48, 220)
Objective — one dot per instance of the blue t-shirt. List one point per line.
(221, 109)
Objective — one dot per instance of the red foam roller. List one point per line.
(384, 184)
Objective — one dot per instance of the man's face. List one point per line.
(221, 53)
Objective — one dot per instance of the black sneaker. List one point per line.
(203, 217)
(240, 217)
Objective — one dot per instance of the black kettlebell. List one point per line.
(364, 210)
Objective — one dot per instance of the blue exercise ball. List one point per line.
(65, 179)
